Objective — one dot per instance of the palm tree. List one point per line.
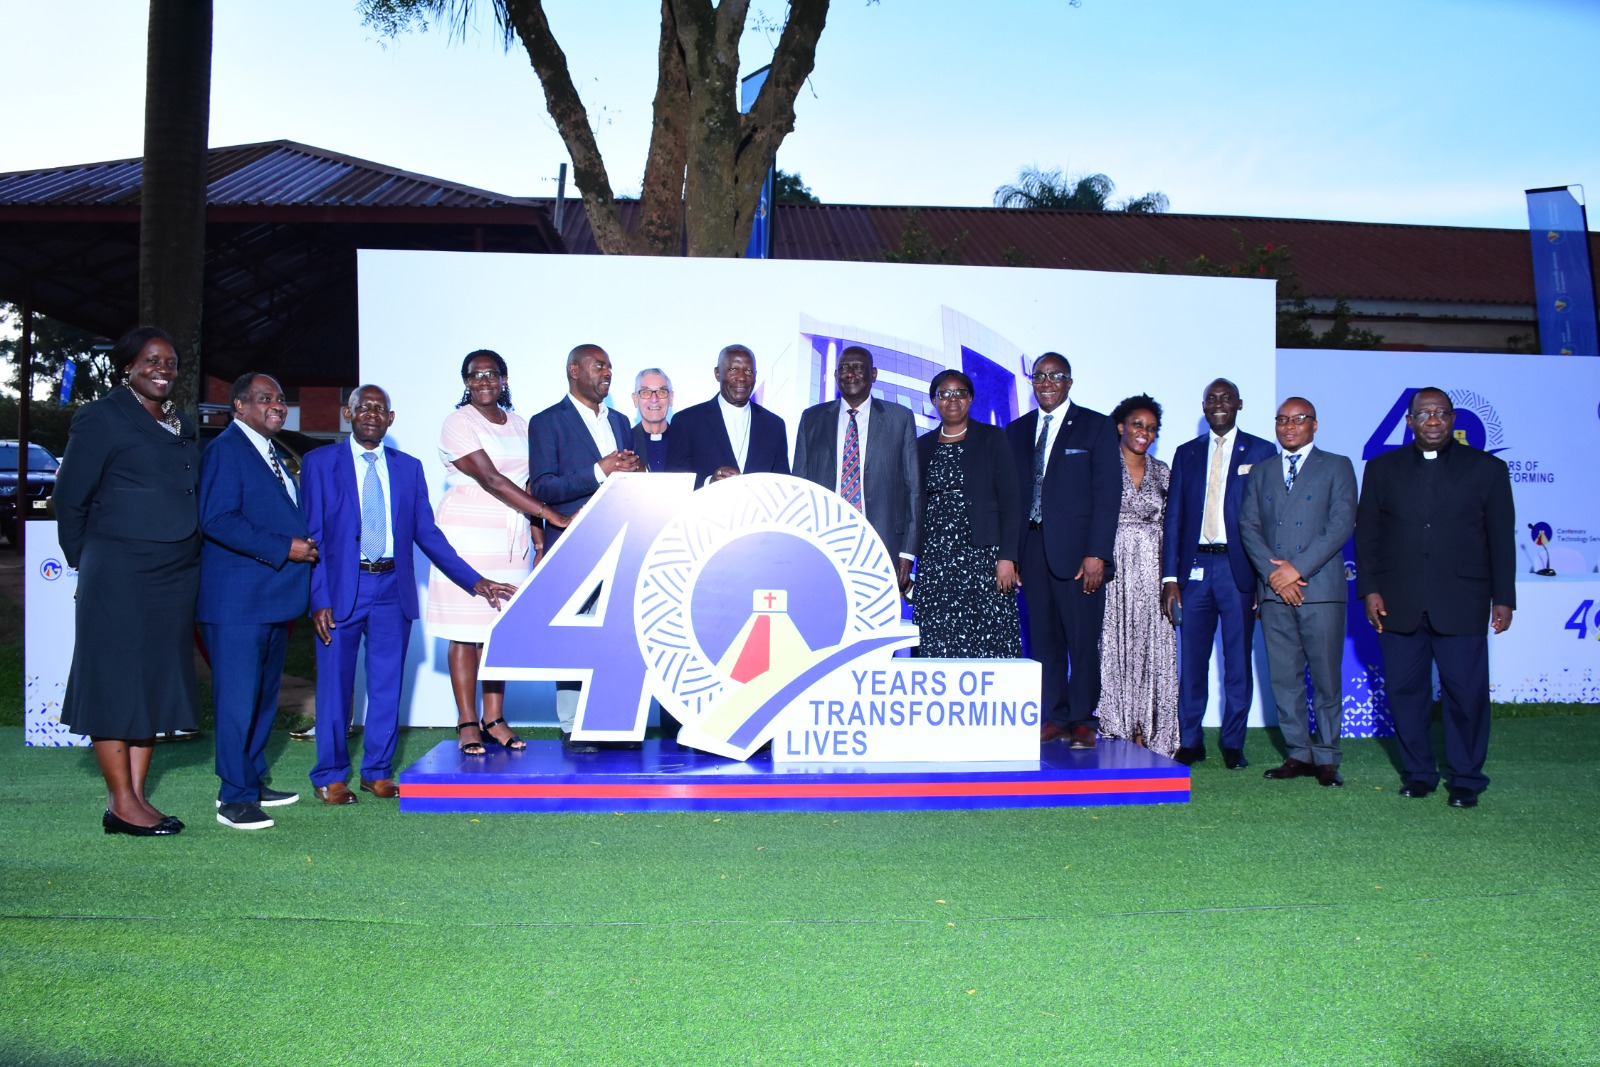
(1038, 188)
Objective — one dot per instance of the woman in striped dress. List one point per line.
(484, 513)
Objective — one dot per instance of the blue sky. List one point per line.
(1418, 111)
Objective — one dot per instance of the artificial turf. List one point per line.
(1262, 923)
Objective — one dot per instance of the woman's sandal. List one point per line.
(512, 743)
(470, 748)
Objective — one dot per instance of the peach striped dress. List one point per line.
(491, 537)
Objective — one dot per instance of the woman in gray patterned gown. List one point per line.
(1139, 648)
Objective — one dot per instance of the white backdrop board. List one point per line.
(422, 312)
(1539, 414)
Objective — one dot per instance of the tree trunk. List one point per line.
(172, 219)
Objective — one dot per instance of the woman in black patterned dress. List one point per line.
(966, 593)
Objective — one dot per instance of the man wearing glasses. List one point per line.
(1071, 480)
(1435, 563)
(652, 399)
(1297, 515)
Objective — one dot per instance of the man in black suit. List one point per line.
(652, 399)
(1298, 513)
(1206, 578)
(730, 434)
(1435, 559)
(866, 451)
(1071, 479)
(573, 446)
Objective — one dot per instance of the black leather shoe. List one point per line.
(1328, 775)
(1415, 790)
(1291, 768)
(1190, 756)
(114, 825)
(577, 746)
(1462, 798)
(1233, 759)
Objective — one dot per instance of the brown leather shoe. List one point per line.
(1328, 774)
(386, 788)
(1291, 768)
(335, 793)
(1051, 731)
(1082, 736)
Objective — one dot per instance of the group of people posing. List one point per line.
(1123, 561)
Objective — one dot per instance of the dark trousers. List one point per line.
(1064, 628)
(1209, 601)
(1463, 662)
(377, 618)
(246, 669)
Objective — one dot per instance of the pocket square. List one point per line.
(1074, 451)
(1244, 468)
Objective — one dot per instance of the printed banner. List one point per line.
(50, 590)
(1563, 278)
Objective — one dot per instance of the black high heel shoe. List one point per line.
(511, 744)
(164, 828)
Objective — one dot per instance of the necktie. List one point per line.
(1211, 517)
(373, 532)
(277, 468)
(1036, 512)
(1294, 462)
(850, 483)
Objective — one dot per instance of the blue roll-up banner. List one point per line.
(69, 370)
(760, 246)
(1562, 276)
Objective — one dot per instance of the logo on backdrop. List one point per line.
(51, 569)
(1477, 424)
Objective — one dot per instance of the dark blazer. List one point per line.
(250, 524)
(333, 515)
(1307, 526)
(699, 442)
(1186, 505)
(990, 485)
(126, 476)
(1450, 553)
(891, 475)
(562, 455)
(1082, 486)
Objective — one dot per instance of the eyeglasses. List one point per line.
(483, 375)
(1297, 420)
(372, 408)
(1042, 376)
(659, 394)
(1443, 416)
(952, 394)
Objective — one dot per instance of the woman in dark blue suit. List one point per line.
(129, 522)
(966, 591)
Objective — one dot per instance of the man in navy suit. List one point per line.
(1206, 576)
(729, 434)
(255, 577)
(1067, 463)
(367, 506)
(573, 446)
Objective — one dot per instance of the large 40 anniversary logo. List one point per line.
(724, 603)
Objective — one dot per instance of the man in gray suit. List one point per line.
(1298, 511)
(866, 451)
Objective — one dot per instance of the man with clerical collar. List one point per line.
(1436, 569)
(652, 398)
(730, 434)
(866, 451)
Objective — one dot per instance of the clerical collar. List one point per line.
(1429, 455)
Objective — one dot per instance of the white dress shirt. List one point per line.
(1302, 452)
(1057, 417)
(863, 417)
(261, 447)
(1225, 444)
(736, 420)
(598, 423)
(382, 467)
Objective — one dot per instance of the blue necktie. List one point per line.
(1036, 512)
(373, 533)
(1294, 462)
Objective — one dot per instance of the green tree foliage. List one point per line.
(1038, 188)
(1294, 329)
(791, 189)
(918, 246)
(55, 344)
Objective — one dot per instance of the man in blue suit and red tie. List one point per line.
(255, 576)
(574, 445)
(366, 504)
(1206, 576)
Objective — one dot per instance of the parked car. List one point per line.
(34, 499)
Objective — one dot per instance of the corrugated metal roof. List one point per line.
(273, 173)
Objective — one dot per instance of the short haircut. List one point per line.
(638, 379)
(944, 376)
(1225, 381)
(735, 350)
(1411, 408)
(578, 350)
(130, 344)
(1303, 400)
(240, 390)
(1144, 401)
(854, 350)
(358, 390)
(1054, 355)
